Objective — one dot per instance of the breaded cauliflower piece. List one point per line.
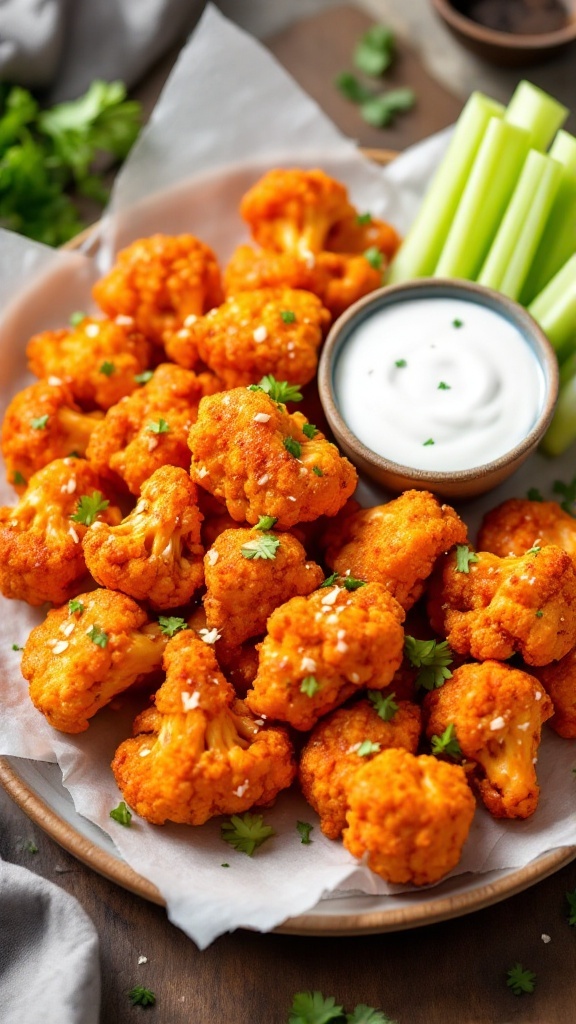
(159, 282)
(409, 815)
(356, 234)
(396, 544)
(293, 210)
(251, 453)
(248, 574)
(559, 681)
(155, 553)
(149, 429)
(199, 752)
(43, 423)
(497, 713)
(41, 557)
(343, 278)
(98, 359)
(273, 330)
(340, 744)
(321, 649)
(517, 525)
(503, 606)
(80, 657)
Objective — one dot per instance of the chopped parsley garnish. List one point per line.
(400, 363)
(171, 624)
(374, 257)
(534, 494)
(144, 377)
(76, 318)
(352, 582)
(140, 996)
(89, 508)
(425, 444)
(293, 447)
(443, 386)
(121, 814)
(75, 607)
(446, 743)
(363, 218)
(312, 1008)
(571, 899)
(309, 686)
(16, 647)
(521, 980)
(30, 846)
(380, 110)
(161, 427)
(539, 613)
(224, 865)
(535, 550)
(107, 368)
(432, 657)
(330, 580)
(457, 323)
(278, 390)
(98, 636)
(367, 747)
(261, 547)
(568, 491)
(464, 557)
(39, 422)
(351, 88)
(304, 829)
(317, 471)
(18, 480)
(266, 522)
(288, 316)
(309, 430)
(246, 833)
(374, 51)
(385, 707)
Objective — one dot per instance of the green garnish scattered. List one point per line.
(381, 110)
(351, 583)
(261, 547)
(534, 551)
(464, 557)
(140, 996)
(98, 636)
(374, 51)
(246, 833)
(266, 522)
(121, 814)
(39, 422)
(568, 491)
(18, 480)
(363, 218)
(171, 624)
(76, 318)
(224, 865)
(432, 657)
(430, 441)
(317, 471)
(443, 386)
(457, 323)
(144, 377)
(312, 1008)
(374, 257)
(534, 494)
(304, 829)
(16, 647)
(400, 363)
(288, 316)
(571, 898)
(309, 430)
(386, 707)
(446, 743)
(521, 980)
(75, 607)
(279, 390)
(309, 686)
(539, 613)
(367, 747)
(107, 368)
(363, 1014)
(161, 427)
(293, 447)
(30, 846)
(89, 508)
(351, 88)
(330, 580)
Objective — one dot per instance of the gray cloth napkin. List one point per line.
(62, 45)
(49, 964)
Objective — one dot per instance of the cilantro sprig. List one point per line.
(385, 707)
(266, 522)
(432, 657)
(309, 686)
(315, 1008)
(568, 492)
(140, 996)
(367, 747)
(464, 558)
(264, 547)
(160, 427)
(122, 814)
(89, 508)
(75, 607)
(348, 582)
(446, 743)
(98, 636)
(246, 832)
(171, 624)
(280, 391)
(520, 980)
(39, 422)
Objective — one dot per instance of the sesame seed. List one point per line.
(209, 636)
(341, 647)
(263, 480)
(73, 534)
(67, 628)
(331, 597)
(260, 334)
(242, 789)
(183, 334)
(545, 938)
(310, 260)
(144, 752)
(92, 330)
(291, 498)
(308, 665)
(538, 695)
(152, 443)
(202, 472)
(190, 700)
(212, 556)
(354, 677)
(54, 381)
(191, 319)
(524, 726)
(258, 721)
(497, 723)
(60, 646)
(142, 959)
(261, 417)
(353, 748)
(123, 321)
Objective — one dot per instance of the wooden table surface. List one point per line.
(451, 973)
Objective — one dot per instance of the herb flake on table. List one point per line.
(571, 900)
(304, 829)
(374, 51)
(568, 492)
(16, 647)
(140, 996)
(246, 832)
(534, 494)
(521, 980)
(313, 1008)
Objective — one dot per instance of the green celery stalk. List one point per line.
(562, 430)
(513, 249)
(555, 309)
(534, 110)
(563, 149)
(491, 182)
(420, 250)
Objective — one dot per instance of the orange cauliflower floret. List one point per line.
(293, 210)
(410, 816)
(559, 681)
(321, 649)
(273, 330)
(159, 282)
(251, 453)
(341, 743)
(150, 428)
(496, 607)
(155, 553)
(98, 359)
(395, 544)
(199, 751)
(85, 653)
(497, 713)
(41, 557)
(356, 234)
(518, 525)
(43, 423)
(248, 574)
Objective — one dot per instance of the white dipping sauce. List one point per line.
(474, 390)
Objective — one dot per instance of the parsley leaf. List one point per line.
(309, 430)
(464, 556)
(374, 51)
(75, 607)
(18, 480)
(309, 686)
(385, 707)
(351, 88)
(89, 507)
(313, 1008)
(288, 316)
(98, 636)
(426, 444)
(521, 980)
(293, 447)
(446, 743)
(380, 110)
(374, 257)
(107, 368)
(363, 218)
(534, 551)
(246, 832)
(568, 491)
(121, 814)
(261, 547)
(352, 582)
(367, 1015)
(443, 386)
(266, 522)
(30, 846)
(534, 494)
(16, 647)
(76, 318)
(171, 624)
(367, 747)
(571, 898)
(140, 996)
(400, 363)
(304, 829)
(539, 613)
(317, 471)
(161, 427)
(432, 657)
(39, 422)
(330, 580)
(278, 390)
(144, 377)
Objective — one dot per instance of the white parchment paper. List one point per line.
(228, 112)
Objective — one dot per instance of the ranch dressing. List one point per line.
(438, 383)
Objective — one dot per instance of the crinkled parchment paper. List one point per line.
(227, 112)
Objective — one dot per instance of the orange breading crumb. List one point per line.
(396, 544)
(159, 282)
(334, 753)
(409, 816)
(518, 525)
(199, 751)
(559, 681)
(321, 649)
(497, 713)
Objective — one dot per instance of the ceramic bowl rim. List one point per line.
(504, 40)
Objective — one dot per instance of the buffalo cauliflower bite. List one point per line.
(273, 330)
(396, 544)
(199, 752)
(518, 525)
(501, 606)
(248, 574)
(497, 713)
(98, 359)
(41, 557)
(559, 681)
(43, 423)
(82, 655)
(251, 453)
(340, 744)
(159, 282)
(155, 553)
(321, 649)
(149, 429)
(408, 816)
(356, 234)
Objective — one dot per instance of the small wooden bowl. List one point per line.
(458, 484)
(506, 49)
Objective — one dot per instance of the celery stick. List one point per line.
(420, 250)
(559, 239)
(540, 114)
(568, 369)
(563, 149)
(512, 252)
(492, 179)
(555, 309)
(562, 430)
